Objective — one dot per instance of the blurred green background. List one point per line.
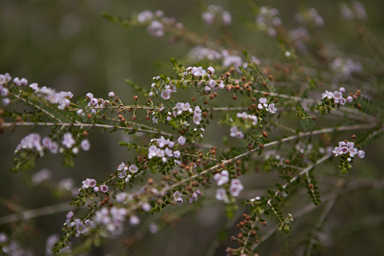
(67, 45)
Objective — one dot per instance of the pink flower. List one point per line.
(121, 166)
(89, 96)
(181, 140)
(176, 154)
(166, 94)
(85, 145)
(327, 94)
(146, 207)
(197, 119)
(134, 220)
(221, 195)
(236, 187)
(222, 177)
(178, 197)
(133, 168)
(6, 101)
(272, 108)
(337, 96)
(104, 188)
(68, 140)
(54, 147)
(361, 154)
(185, 106)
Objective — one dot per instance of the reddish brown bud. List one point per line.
(215, 94)
(253, 99)
(313, 117)
(205, 102)
(261, 146)
(193, 99)
(133, 118)
(265, 134)
(85, 133)
(89, 116)
(18, 119)
(354, 136)
(270, 77)
(211, 96)
(310, 186)
(234, 97)
(264, 223)
(150, 181)
(135, 97)
(204, 114)
(110, 204)
(237, 87)
(240, 235)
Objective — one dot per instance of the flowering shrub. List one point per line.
(289, 132)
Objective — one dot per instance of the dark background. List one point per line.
(67, 45)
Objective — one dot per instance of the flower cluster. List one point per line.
(263, 104)
(163, 149)
(310, 17)
(95, 103)
(216, 12)
(123, 168)
(62, 99)
(112, 220)
(199, 53)
(41, 176)
(355, 10)
(91, 183)
(81, 227)
(348, 148)
(268, 21)
(156, 22)
(221, 178)
(33, 142)
(4, 79)
(235, 132)
(235, 188)
(50, 244)
(246, 116)
(300, 38)
(337, 96)
(345, 67)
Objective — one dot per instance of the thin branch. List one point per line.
(30, 214)
(106, 126)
